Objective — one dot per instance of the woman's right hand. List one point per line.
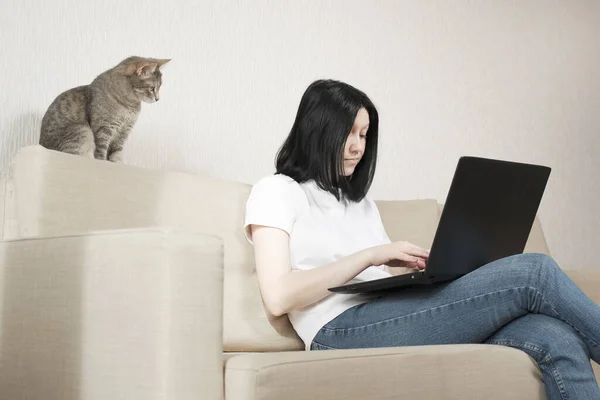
(399, 254)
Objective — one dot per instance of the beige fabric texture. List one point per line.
(419, 372)
(113, 315)
(425, 372)
(11, 221)
(3, 205)
(122, 196)
(61, 194)
(9, 227)
(411, 220)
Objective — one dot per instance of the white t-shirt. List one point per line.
(322, 230)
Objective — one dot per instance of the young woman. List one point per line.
(313, 227)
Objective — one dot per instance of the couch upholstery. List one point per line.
(111, 315)
(50, 193)
(61, 194)
(420, 372)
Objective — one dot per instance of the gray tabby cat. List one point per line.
(95, 120)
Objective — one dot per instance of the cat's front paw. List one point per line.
(116, 157)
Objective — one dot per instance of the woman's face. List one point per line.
(356, 142)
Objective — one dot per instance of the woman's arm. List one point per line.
(284, 290)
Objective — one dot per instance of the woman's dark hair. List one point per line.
(314, 148)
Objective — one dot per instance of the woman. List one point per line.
(314, 227)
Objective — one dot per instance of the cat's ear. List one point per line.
(145, 69)
(140, 68)
(162, 62)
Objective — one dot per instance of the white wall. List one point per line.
(509, 79)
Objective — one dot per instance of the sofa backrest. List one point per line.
(9, 228)
(59, 194)
(2, 205)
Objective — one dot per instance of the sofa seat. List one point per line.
(419, 372)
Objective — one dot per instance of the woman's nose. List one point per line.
(355, 145)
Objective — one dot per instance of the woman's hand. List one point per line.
(399, 254)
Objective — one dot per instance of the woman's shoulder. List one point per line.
(277, 184)
(275, 180)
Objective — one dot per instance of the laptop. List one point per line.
(488, 215)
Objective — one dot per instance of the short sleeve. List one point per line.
(272, 202)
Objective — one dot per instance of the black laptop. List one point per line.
(489, 212)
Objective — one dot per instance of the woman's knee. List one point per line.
(525, 262)
(540, 265)
(537, 259)
(543, 337)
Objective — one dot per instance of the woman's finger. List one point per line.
(402, 256)
(418, 252)
(413, 249)
(421, 264)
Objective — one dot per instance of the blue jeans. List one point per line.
(524, 301)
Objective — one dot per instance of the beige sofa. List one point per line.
(132, 313)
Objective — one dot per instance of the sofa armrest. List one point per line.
(129, 314)
(588, 280)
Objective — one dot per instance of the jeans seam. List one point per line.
(546, 359)
(560, 317)
(325, 328)
(324, 346)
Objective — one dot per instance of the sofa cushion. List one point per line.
(411, 220)
(62, 194)
(420, 372)
(537, 241)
